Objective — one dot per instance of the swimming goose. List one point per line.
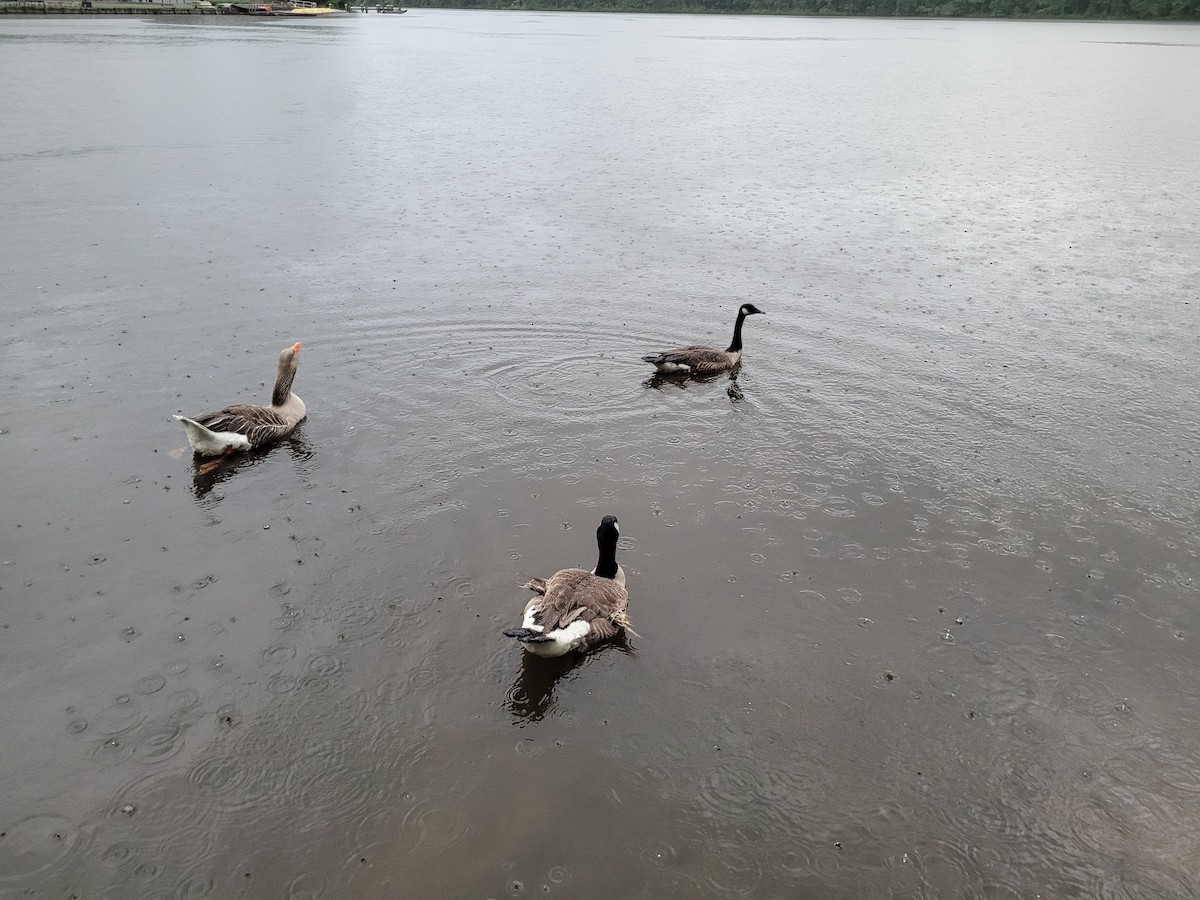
(245, 427)
(701, 360)
(576, 609)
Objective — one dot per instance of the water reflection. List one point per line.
(683, 380)
(208, 472)
(533, 696)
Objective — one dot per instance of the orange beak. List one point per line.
(296, 347)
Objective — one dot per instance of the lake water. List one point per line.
(916, 591)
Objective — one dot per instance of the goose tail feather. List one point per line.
(527, 635)
(207, 442)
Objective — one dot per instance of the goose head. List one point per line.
(289, 356)
(749, 309)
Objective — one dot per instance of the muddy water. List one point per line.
(916, 590)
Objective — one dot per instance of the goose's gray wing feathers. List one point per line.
(260, 424)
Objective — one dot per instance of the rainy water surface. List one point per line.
(915, 591)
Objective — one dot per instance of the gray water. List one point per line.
(915, 591)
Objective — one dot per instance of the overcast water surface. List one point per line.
(915, 590)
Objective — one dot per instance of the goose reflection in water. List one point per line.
(208, 473)
(533, 694)
(683, 381)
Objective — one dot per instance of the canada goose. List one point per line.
(576, 609)
(245, 427)
(701, 360)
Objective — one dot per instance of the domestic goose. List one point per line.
(700, 360)
(575, 609)
(245, 427)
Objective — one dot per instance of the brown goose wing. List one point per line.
(578, 594)
(699, 358)
(259, 424)
(602, 630)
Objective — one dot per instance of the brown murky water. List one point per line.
(916, 591)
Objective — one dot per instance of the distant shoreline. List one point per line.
(1019, 10)
(56, 11)
(59, 8)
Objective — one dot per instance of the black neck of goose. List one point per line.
(283, 384)
(737, 333)
(607, 566)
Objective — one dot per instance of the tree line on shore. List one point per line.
(1031, 9)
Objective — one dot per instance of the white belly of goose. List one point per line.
(562, 641)
(670, 368)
